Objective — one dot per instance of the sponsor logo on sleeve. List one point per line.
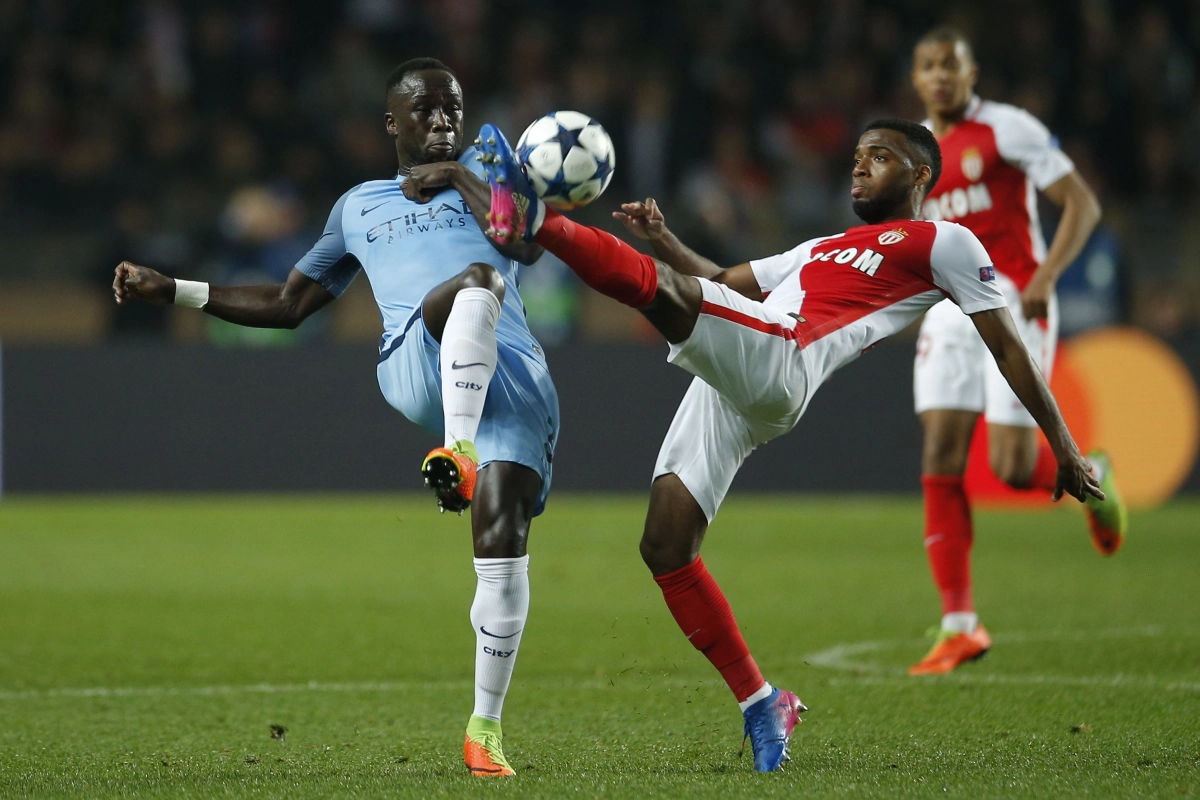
(987, 274)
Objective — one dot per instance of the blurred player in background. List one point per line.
(761, 338)
(456, 355)
(995, 159)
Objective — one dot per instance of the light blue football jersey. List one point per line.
(408, 248)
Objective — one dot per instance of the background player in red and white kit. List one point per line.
(995, 159)
(761, 338)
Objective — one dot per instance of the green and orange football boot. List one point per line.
(482, 749)
(951, 649)
(1108, 519)
(450, 473)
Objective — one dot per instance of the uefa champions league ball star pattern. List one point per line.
(568, 159)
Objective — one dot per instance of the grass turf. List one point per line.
(147, 644)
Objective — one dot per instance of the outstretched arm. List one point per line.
(1000, 335)
(279, 305)
(424, 181)
(645, 221)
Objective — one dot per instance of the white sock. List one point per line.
(498, 617)
(761, 694)
(960, 621)
(468, 360)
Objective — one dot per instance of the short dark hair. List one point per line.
(922, 142)
(947, 34)
(415, 65)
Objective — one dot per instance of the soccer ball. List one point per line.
(568, 158)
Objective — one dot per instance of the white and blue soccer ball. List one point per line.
(568, 159)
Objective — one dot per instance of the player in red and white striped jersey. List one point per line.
(761, 338)
(995, 159)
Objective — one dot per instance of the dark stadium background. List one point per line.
(209, 140)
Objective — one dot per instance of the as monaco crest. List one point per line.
(972, 164)
(892, 236)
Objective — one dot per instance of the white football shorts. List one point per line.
(752, 384)
(954, 369)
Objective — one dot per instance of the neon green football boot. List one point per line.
(482, 749)
(1108, 519)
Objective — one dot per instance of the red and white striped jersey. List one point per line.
(853, 289)
(993, 161)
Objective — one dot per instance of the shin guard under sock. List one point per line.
(948, 538)
(703, 614)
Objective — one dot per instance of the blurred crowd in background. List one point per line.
(210, 139)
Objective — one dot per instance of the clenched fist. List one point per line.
(142, 283)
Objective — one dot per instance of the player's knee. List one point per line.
(483, 276)
(675, 526)
(503, 537)
(946, 441)
(662, 555)
(942, 456)
(1010, 468)
(666, 547)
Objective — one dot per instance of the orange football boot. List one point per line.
(482, 750)
(451, 473)
(951, 649)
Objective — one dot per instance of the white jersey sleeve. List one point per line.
(772, 270)
(1026, 143)
(963, 269)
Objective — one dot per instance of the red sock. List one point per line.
(705, 617)
(1045, 470)
(601, 260)
(948, 537)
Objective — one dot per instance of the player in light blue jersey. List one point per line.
(456, 356)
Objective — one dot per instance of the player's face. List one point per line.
(425, 114)
(885, 177)
(944, 75)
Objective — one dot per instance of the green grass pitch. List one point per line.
(147, 644)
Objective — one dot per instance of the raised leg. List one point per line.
(671, 302)
(462, 314)
(1019, 459)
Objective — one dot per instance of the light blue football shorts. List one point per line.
(520, 415)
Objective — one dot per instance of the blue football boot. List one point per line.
(769, 724)
(516, 212)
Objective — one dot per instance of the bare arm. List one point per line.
(645, 221)
(1080, 214)
(1000, 335)
(426, 180)
(279, 305)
